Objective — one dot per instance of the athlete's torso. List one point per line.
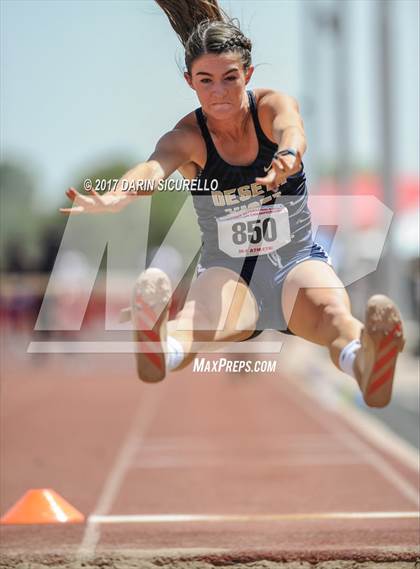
(236, 186)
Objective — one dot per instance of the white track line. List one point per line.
(142, 420)
(370, 426)
(114, 347)
(410, 492)
(179, 518)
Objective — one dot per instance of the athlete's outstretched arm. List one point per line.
(174, 149)
(287, 131)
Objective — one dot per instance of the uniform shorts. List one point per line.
(265, 276)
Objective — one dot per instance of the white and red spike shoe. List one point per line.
(382, 340)
(149, 314)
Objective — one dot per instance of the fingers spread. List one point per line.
(264, 182)
(72, 194)
(278, 164)
(276, 176)
(96, 197)
(285, 165)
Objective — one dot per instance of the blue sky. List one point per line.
(87, 81)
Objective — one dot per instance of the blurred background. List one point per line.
(88, 87)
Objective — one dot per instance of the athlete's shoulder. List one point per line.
(274, 101)
(185, 136)
(188, 125)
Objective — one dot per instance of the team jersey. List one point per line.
(237, 191)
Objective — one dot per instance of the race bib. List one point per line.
(256, 231)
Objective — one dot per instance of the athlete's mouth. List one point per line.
(221, 106)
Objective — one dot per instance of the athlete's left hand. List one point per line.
(281, 168)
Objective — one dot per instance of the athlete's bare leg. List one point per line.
(317, 308)
(219, 308)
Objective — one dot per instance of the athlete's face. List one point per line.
(219, 81)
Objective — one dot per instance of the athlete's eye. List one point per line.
(231, 78)
(205, 80)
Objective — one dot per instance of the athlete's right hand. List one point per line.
(279, 170)
(93, 203)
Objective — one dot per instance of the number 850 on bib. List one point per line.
(254, 232)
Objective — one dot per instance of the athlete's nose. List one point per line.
(219, 93)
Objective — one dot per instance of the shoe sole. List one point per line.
(382, 341)
(149, 314)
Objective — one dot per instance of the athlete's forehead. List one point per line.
(216, 64)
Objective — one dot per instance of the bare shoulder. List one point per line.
(272, 104)
(189, 128)
(270, 100)
(182, 148)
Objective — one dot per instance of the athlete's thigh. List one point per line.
(219, 300)
(308, 288)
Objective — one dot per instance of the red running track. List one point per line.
(210, 466)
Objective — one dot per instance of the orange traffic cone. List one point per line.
(42, 506)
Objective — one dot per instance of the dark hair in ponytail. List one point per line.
(203, 27)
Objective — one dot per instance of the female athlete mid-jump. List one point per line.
(259, 266)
